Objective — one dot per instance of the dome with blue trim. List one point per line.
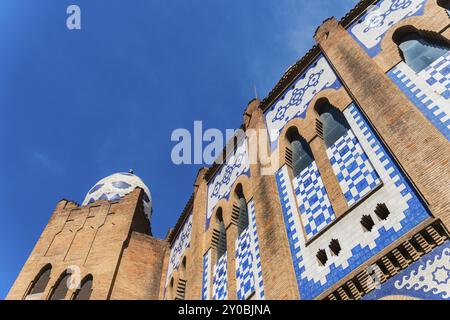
(117, 185)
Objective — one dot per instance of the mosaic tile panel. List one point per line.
(429, 90)
(220, 281)
(357, 244)
(370, 29)
(353, 170)
(220, 185)
(315, 207)
(427, 278)
(248, 261)
(295, 101)
(245, 281)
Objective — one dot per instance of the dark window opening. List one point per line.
(61, 288)
(335, 247)
(367, 222)
(420, 49)
(299, 152)
(222, 237)
(241, 211)
(322, 257)
(40, 282)
(183, 263)
(444, 4)
(382, 211)
(243, 215)
(84, 293)
(333, 123)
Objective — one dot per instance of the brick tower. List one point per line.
(104, 248)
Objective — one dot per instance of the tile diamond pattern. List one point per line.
(355, 173)
(315, 208)
(248, 261)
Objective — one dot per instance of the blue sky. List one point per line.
(79, 105)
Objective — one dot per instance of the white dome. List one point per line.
(116, 186)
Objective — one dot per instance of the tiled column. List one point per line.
(232, 234)
(417, 145)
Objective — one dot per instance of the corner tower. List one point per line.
(100, 250)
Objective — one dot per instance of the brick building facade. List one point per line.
(358, 206)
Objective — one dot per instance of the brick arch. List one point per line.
(59, 281)
(283, 142)
(442, 3)
(83, 281)
(389, 55)
(214, 224)
(244, 181)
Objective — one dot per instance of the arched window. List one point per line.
(84, 293)
(420, 51)
(301, 152)
(333, 122)
(351, 165)
(39, 283)
(222, 237)
(60, 289)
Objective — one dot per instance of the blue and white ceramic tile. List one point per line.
(220, 185)
(182, 242)
(295, 101)
(245, 281)
(429, 90)
(206, 278)
(427, 278)
(220, 281)
(353, 170)
(357, 244)
(371, 28)
(315, 207)
(248, 261)
(116, 186)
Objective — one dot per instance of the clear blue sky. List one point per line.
(79, 105)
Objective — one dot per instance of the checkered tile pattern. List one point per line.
(245, 279)
(248, 261)
(314, 205)
(437, 75)
(429, 90)
(355, 173)
(358, 246)
(220, 282)
(206, 282)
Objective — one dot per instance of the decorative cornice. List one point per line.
(289, 76)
